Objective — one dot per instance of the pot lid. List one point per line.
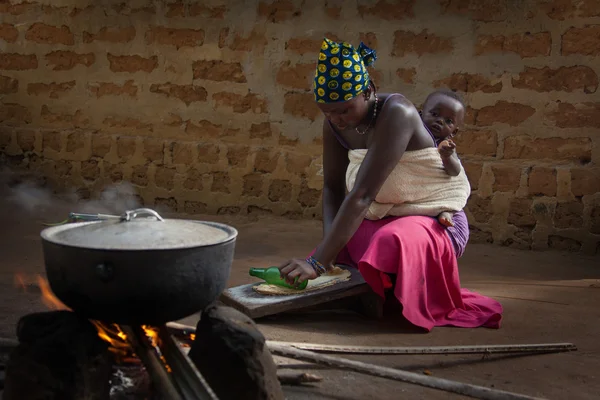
(134, 232)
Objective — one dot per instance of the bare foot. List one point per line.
(445, 219)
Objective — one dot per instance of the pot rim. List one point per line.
(49, 235)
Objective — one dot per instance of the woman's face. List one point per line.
(347, 114)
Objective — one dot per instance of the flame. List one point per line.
(20, 282)
(110, 333)
(48, 297)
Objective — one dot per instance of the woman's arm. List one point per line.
(393, 132)
(335, 163)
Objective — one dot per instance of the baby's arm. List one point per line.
(447, 149)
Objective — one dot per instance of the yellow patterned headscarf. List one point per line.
(341, 71)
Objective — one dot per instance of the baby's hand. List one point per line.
(447, 148)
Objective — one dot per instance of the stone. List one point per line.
(582, 41)
(301, 105)
(139, 175)
(424, 42)
(182, 152)
(18, 62)
(54, 90)
(583, 115)
(175, 37)
(221, 182)
(525, 45)
(228, 340)
(473, 170)
(406, 75)
(219, 71)
(469, 83)
(519, 213)
(110, 35)
(476, 235)
(186, 93)
(506, 178)
(308, 197)
(568, 215)
(132, 63)
(8, 85)
(101, 89)
(585, 181)
(266, 160)
(62, 60)
(261, 131)
(164, 178)
(165, 204)
(240, 104)
(208, 153)
(504, 112)
(237, 155)
(90, 170)
(101, 145)
(48, 34)
(280, 190)
(193, 180)
(478, 10)
(388, 10)
(256, 41)
(8, 33)
(253, 184)
(565, 79)
(297, 76)
(194, 207)
(480, 208)
(277, 11)
(297, 163)
(476, 143)
(542, 181)
(563, 243)
(555, 149)
(59, 356)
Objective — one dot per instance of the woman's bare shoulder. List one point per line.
(398, 105)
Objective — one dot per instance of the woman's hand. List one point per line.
(297, 268)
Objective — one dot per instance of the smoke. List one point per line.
(115, 199)
(33, 197)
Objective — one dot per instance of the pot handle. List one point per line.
(133, 214)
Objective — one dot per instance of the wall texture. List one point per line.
(205, 106)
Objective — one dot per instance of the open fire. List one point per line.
(154, 347)
(110, 333)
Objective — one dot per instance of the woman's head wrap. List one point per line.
(341, 73)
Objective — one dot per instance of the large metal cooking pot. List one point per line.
(138, 270)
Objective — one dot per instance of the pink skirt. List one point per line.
(418, 254)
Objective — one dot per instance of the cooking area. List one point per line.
(298, 199)
(136, 356)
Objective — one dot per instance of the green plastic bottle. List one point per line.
(273, 276)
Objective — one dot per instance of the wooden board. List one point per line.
(256, 305)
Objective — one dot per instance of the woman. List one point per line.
(382, 134)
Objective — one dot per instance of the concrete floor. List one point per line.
(547, 297)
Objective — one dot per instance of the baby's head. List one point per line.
(443, 113)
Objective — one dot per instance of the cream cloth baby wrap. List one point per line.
(418, 185)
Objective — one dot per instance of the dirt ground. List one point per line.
(547, 297)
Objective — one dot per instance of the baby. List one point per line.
(443, 114)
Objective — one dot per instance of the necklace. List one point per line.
(372, 119)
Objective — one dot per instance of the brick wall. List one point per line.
(205, 105)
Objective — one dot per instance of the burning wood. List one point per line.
(110, 333)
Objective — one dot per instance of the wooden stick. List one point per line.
(296, 378)
(465, 389)
(184, 330)
(486, 349)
